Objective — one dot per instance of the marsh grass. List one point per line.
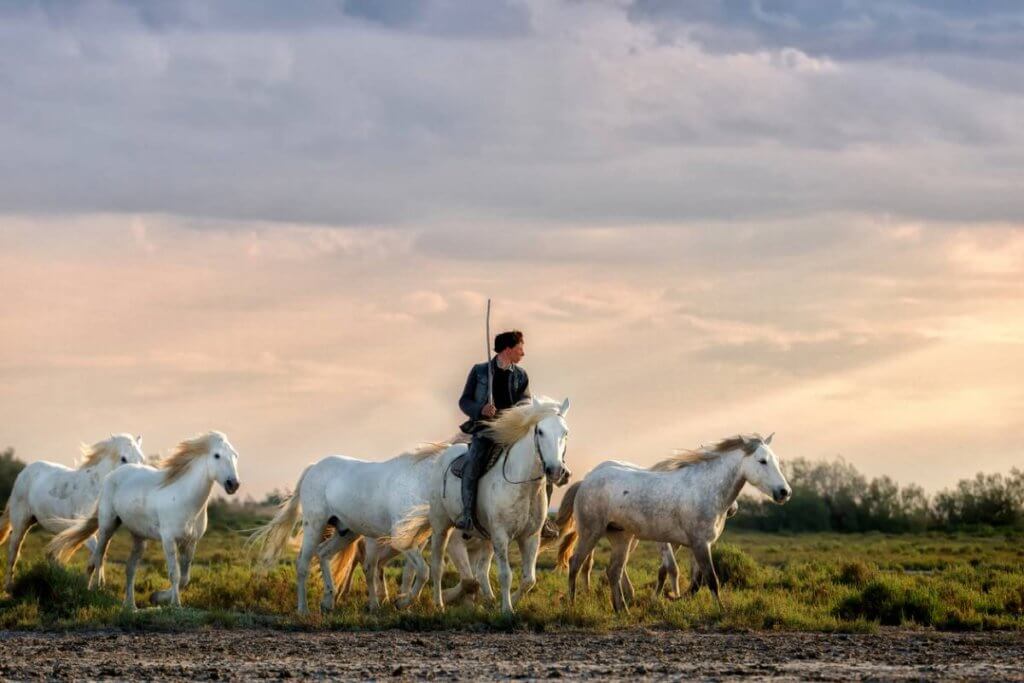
(809, 582)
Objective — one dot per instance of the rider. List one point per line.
(511, 385)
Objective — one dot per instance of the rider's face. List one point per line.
(516, 353)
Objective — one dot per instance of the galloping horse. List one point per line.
(53, 494)
(165, 503)
(683, 502)
(512, 501)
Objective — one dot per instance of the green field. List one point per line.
(808, 582)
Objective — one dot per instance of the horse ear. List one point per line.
(138, 439)
(769, 439)
(564, 409)
(534, 401)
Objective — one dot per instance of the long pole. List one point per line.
(490, 370)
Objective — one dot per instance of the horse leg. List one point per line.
(173, 568)
(19, 528)
(373, 551)
(702, 553)
(186, 551)
(438, 544)
(106, 530)
(312, 532)
(422, 574)
(626, 585)
(482, 570)
(384, 555)
(325, 551)
(138, 546)
(90, 548)
(696, 576)
(620, 552)
(668, 570)
(528, 548)
(585, 543)
(588, 568)
(467, 586)
(500, 542)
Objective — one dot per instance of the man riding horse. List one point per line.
(510, 386)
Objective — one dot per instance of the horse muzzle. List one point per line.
(231, 485)
(782, 494)
(559, 476)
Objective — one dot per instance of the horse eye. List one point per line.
(124, 459)
(763, 462)
(216, 455)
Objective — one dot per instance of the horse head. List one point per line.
(550, 435)
(761, 468)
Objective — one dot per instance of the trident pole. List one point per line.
(490, 370)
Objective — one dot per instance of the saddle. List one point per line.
(492, 457)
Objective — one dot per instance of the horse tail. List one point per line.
(273, 536)
(566, 521)
(5, 522)
(412, 530)
(344, 563)
(64, 544)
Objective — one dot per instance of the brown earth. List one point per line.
(625, 655)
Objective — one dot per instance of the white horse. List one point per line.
(359, 499)
(165, 503)
(684, 502)
(512, 502)
(52, 495)
(668, 572)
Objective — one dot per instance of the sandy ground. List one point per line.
(624, 655)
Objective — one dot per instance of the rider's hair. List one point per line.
(507, 340)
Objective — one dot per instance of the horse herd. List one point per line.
(346, 507)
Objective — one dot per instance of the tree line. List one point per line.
(830, 496)
(834, 496)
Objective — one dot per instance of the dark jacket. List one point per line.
(474, 396)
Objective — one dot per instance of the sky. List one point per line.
(283, 220)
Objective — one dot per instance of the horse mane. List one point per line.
(683, 457)
(425, 451)
(177, 463)
(94, 454)
(516, 422)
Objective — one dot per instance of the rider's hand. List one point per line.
(489, 410)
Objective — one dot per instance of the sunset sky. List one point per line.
(283, 221)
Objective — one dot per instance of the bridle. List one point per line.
(536, 452)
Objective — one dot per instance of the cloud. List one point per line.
(359, 114)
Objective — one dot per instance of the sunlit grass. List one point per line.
(810, 582)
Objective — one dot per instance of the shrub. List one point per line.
(855, 573)
(59, 593)
(734, 567)
(892, 603)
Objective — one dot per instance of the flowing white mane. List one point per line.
(94, 454)
(176, 464)
(682, 457)
(516, 422)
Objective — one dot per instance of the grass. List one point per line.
(807, 582)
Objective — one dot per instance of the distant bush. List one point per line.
(10, 466)
(834, 496)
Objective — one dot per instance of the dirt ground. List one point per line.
(264, 654)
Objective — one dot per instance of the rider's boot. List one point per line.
(470, 475)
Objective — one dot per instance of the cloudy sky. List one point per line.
(282, 220)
